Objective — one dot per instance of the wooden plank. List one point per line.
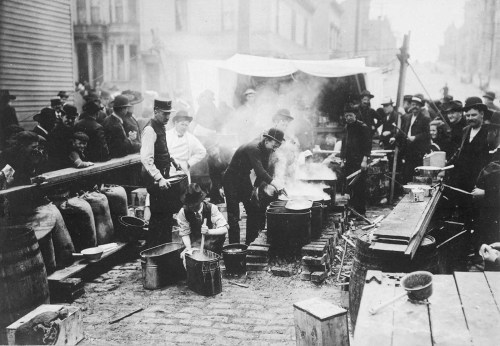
(481, 313)
(396, 248)
(493, 279)
(70, 174)
(448, 325)
(81, 264)
(375, 329)
(411, 322)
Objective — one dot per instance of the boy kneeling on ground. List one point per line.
(191, 217)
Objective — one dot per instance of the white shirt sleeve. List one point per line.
(184, 228)
(148, 152)
(197, 151)
(217, 218)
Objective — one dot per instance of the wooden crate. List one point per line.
(63, 331)
(319, 322)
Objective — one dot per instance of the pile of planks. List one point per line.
(318, 255)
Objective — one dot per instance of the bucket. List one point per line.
(23, 279)
(368, 259)
(132, 227)
(235, 258)
(203, 273)
(162, 265)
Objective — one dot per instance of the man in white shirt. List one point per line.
(185, 148)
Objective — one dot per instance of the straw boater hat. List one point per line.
(275, 134)
(194, 194)
(182, 115)
(386, 101)
(417, 99)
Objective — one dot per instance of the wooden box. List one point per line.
(67, 329)
(319, 322)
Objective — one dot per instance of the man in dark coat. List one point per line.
(120, 143)
(415, 138)
(366, 114)
(97, 148)
(454, 115)
(95, 98)
(59, 140)
(7, 115)
(46, 119)
(489, 98)
(156, 163)
(355, 151)
(238, 186)
(389, 122)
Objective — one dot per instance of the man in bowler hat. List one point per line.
(156, 162)
(238, 186)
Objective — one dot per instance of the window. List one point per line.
(134, 72)
(132, 11)
(118, 11)
(120, 62)
(180, 15)
(95, 12)
(81, 14)
(228, 14)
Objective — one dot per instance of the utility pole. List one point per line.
(403, 59)
(493, 11)
(357, 27)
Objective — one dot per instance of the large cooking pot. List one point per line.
(288, 231)
(172, 196)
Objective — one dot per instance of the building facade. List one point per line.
(146, 44)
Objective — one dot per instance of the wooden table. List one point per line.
(464, 309)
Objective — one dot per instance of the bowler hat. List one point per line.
(249, 91)
(194, 194)
(90, 108)
(275, 134)
(92, 96)
(105, 94)
(489, 95)
(386, 101)
(63, 94)
(163, 105)
(6, 94)
(134, 97)
(55, 102)
(70, 110)
(45, 114)
(366, 93)
(282, 113)
(452, 106)
(182, 115)
(476, 103)
(121, 101)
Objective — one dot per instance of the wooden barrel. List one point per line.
(23, 278)
(366, 259)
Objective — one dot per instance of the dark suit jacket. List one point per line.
(119, 143)
(419, 129)
(97, 148)
(388, 123)
(40, 132)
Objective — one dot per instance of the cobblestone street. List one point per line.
(259, 315)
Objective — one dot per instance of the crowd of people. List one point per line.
(107, 128)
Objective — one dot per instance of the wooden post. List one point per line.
(319, 322)
(403, 59)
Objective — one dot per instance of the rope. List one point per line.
(428, 95)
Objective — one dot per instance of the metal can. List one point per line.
(139, 212)
(131, 211)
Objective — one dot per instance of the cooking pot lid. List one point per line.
(298, 204)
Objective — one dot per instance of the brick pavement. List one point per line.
(259, 315)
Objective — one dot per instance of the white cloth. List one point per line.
(186, 150)
(216, 217)
(413, 118)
